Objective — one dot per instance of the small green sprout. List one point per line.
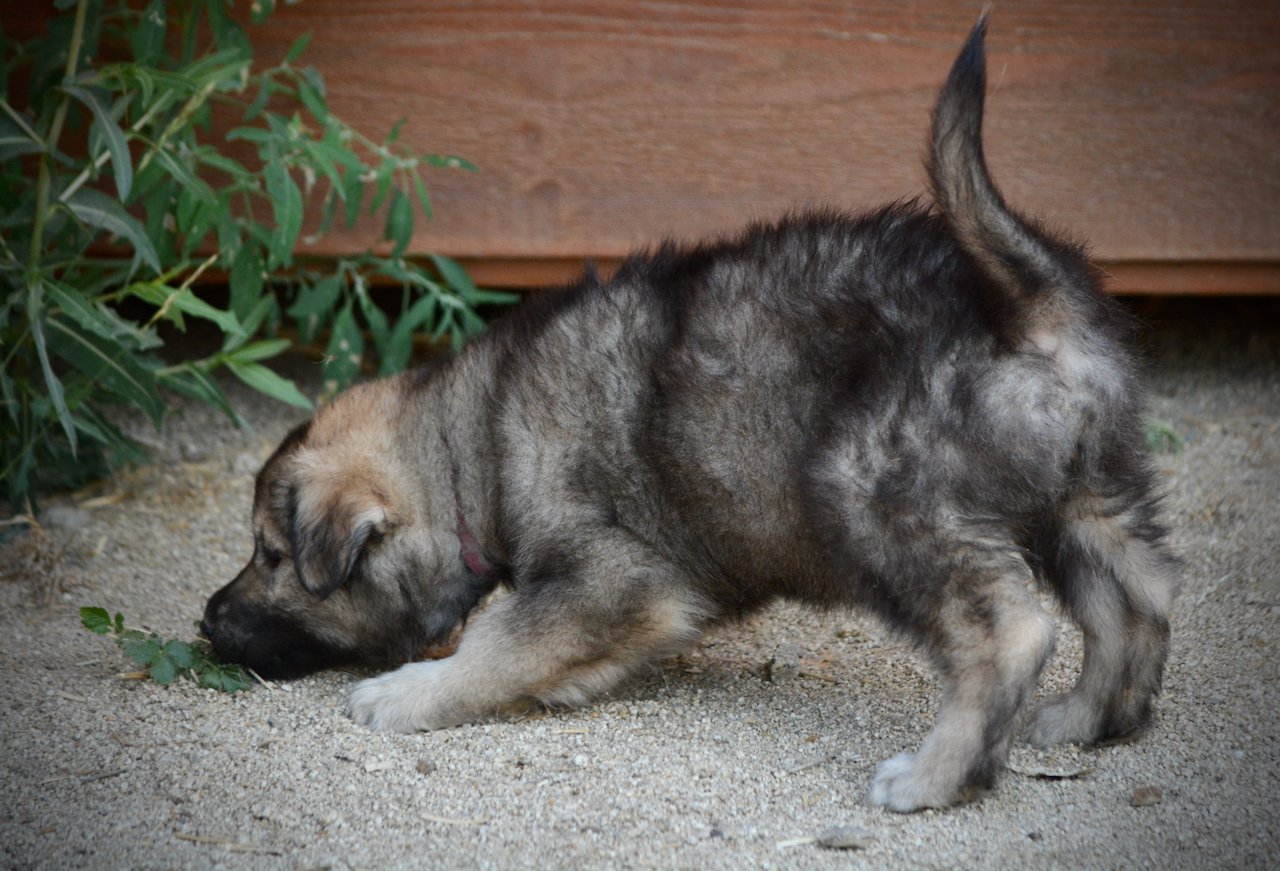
(166, 661)
(1162, 438)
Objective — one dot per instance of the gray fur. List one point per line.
(918, 414)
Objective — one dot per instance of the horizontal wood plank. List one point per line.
(1147, 127)
(1178, 278)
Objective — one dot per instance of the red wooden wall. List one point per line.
(1149, 127)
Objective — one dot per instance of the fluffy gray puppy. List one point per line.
(921, 411)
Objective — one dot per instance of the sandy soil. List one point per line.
(702, 763)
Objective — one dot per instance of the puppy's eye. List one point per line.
(271, 557)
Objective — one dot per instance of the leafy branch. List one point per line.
(116, 199)
(166, 661)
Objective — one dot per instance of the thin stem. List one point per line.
(179, 121)
(55, 133)
(21, 122)
(102, 158)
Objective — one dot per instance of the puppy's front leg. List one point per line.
(557, 642)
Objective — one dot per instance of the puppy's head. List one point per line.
(351, 562)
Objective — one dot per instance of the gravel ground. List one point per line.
(702, 763)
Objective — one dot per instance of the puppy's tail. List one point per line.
(1026, 268)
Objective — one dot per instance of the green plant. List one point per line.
(1161, 437)
(115, 201)
(166, 661)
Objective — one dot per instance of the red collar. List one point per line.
(472, 555)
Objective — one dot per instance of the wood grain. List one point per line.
(1149, 127)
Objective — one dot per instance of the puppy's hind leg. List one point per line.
(559, 639)
(1107, 561)
(988, 639)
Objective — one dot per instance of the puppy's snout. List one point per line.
(214, 614)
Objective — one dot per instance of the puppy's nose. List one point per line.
(205, 629)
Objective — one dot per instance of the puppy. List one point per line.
(919, 411)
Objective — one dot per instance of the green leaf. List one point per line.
(409, 275)
(15, 142)
(251, 134)
(400, 343)
(373, 316)
(142, 651)
(396, 128)
(119, 623)
(253, 321)
(1162, 437)
(480, 296)
(99, 210)
(299, 46)
(227, 33)
(331, 201)
(423, 199)
(317, 299)
(265, 90)
(286, 202)
(384, 175)
(353, 187)
(108, 364)
(450, 161)
(313, 97)
(96, 620)
(54, 385)
(247, 279)
(260, 10)
(262, 350)
(233, 168)
(454, 275)
(179, 653)
(399, 223)
(94, 425)
(225, 678)
(182, 174)
(185, 301)
(326, 158)
(263, 380)
(148, 35)
(146, 86)
(191, 381)
(121, 162)
(344, 351)
(99, 319)
(223, 69)
(163, 670)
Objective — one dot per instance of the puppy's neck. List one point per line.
(472, 554)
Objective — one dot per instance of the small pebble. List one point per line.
(785, 664)
(1145, 796)
(245, 463)
(192, 451)
(845, 838)
(426, 766)
(65, 517)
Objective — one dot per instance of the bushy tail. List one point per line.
(1025, 266)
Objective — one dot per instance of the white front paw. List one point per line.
(405, 700)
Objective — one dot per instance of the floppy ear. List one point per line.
(329, 530)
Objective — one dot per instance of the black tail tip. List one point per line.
(973, 55)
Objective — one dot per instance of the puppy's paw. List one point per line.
(405, 700)
(900, 785)
(1064, 719)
